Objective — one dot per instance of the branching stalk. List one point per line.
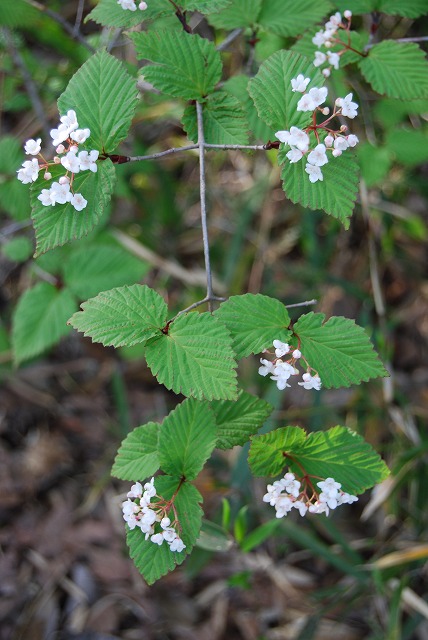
(202, 188)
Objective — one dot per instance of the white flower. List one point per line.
(88, 160)
(318, 156)
(298, 138)
(300, 83)
(319, 39)
(29, 171)
(70, 120)
(61, 192)
(136, 491)
(281, 348)
(59, 135)
(157, 538)
(177, 545)
(71, 162)
(330, 501)
(306, 103)
(319, 507)
(266, 368)
(294, 155)
(165, 522)
(282, 372)
(318, 95)
(330, 487)
(80, 135)
(301, 506)
(79, 203)
(352, 140)
(60, 148)
(320, 58)
(169, 534)
(46, 197)
(310, 382)
(346, 498)
(329, 141)
(127, 4)
(296, 354)
(282, 136)
(292, 486)
(334, 21)
(149, 489)
(64, 180)
(334, 59)
(32, 147)
(315, 174)
(349, 108)
(142, 6)
(283, 506)
(341, 144)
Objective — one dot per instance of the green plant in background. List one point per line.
(194, 353)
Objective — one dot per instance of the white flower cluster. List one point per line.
(288, 493)
(283, 370)
(131, 6)
(327, 39)
(335, 141)
(138, 511)
(73, 161)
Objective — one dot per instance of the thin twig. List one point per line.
(202, 188)
(189, 147)
(307, 303)
(229, 39)
(30, 85)
(65, 25)
(198, 304)
(79, 16)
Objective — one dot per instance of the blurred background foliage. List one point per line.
(64, 572)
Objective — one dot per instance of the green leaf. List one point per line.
(339, 350)
(407, 9)
(335, 194)
(92, 269)
(256, 537)
(254, 322)
(358, 41)
(374, 162)
(237, 86)
(223, 117)
(187, 66)
(271, 90)
(341, 454)
(40, 320)
(14, 198)
(410, 146)
(154, 561)
(357, 6)
(18, 249)
(195, 358)
(104, 97)
(122, 316)
(213, 537)
(16, 13)
(205, 6)
(241, 13)
(110, 14)
(237, 420)
(138, 456)
(291, 18)
(61, 223)
(397, 69)
(186, 439)
(266, 456)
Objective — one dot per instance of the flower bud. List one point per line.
(60, 148)
(336, 153)
(64, 180)
(329, 141)
(347, 14)
(343, 128)
(328, 44)
(325, 111)
(47, 175)
(57, 160)
(326, 73)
